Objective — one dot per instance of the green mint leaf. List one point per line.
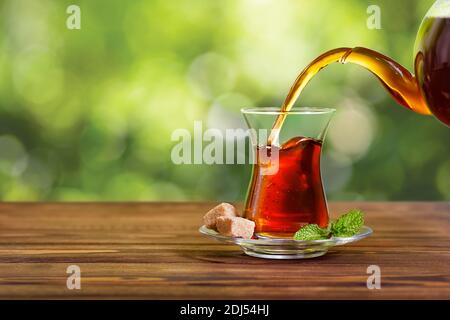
(348, 224)
(311, 232)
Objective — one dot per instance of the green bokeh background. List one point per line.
(88, 114)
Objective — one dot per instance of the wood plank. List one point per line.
(153, 250)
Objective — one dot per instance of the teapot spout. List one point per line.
(400, 83)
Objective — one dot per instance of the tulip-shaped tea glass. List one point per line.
(286, 190)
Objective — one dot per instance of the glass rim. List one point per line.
(296, 110)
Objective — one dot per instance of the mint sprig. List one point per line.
(311, 232)
(346, 225)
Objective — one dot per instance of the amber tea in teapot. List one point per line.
(432, 64)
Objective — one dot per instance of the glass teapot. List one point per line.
(432, 60)
(426, 92)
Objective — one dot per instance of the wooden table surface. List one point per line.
(154, 251)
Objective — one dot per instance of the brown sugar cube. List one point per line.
(235, 227)
(222, 210)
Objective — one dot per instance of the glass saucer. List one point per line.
(286, 248)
